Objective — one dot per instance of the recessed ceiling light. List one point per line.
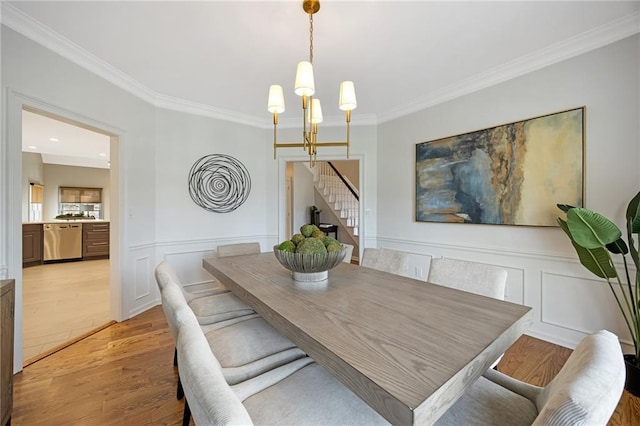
(32, 147)
(54, 139)
(102, 154)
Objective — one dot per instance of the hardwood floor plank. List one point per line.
(124, 375)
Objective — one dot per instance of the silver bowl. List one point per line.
(309, 267)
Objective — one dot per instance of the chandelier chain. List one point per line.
(311, 38)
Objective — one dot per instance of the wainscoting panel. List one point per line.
(138, 288)
(514, 290)
(142, 283)
(186, 256)
(188, 266)
(557, 292)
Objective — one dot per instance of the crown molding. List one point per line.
(22, 23)
(574, 46)
(186, 106)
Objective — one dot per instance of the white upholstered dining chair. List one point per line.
(382, 259)
(245, 346)
(478, 278)
(349, 254)
(237, 249)
(585, 392)
(208, 309)
(300, 392)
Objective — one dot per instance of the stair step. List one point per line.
(336, 194)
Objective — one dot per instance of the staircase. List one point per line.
(340, 194)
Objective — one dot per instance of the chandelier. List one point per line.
(311, 108)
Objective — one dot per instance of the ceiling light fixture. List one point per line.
(311, 109)
(54, 139)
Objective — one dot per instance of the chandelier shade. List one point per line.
(276, 99)
(315, 113)
(305, 85)
(347, 96)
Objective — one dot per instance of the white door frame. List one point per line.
(12, 225)
(282, 190)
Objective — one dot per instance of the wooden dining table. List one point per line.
(408, 348)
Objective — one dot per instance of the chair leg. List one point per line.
(186, 416)
(175, 357)
(180, 391)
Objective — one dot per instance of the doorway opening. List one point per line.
(66, 277)
(327, 193)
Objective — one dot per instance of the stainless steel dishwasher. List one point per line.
(62, 241)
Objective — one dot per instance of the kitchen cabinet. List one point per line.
(95, 240)
(80, 195)
(31, 244)
(36, 193)
(7, 301)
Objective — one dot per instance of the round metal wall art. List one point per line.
(219, 183)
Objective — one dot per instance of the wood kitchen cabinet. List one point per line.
(95, 240)
(31, 244)
(80, 195)
(7, 301)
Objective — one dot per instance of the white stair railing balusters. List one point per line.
(337, 194)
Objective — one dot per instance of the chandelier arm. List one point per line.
(342, 143)
(288, 145)
(275, 138)
(348, 120)
(305, 103)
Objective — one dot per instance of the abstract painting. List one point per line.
(513, 174)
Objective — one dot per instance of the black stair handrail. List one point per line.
(353, 191)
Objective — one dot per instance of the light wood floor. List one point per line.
(124, 375)
(62, 301)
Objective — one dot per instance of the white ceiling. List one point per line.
(62, 143)
(218, 58)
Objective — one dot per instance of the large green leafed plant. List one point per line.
(596, 239)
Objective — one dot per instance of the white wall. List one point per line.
(186, 232)
(303, 195)
(33, 75)
(543, 270)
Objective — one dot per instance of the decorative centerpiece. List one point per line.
(310, 254)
